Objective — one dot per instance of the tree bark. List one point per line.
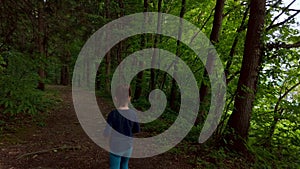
(173, 87)
(239, 121)
(121, 43)
(152, 74)
(108, 55)
(138, 85)
(278, 114)
(241, 28)
(64, 77)
(65, 71)
(41, 45)
(214, 38)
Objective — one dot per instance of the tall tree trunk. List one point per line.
(278, 114)
(65, 72)
(152, 75)
(240, 29)
(41, 45)
(121, 44)
(108, 70)
(214, 38)
(98, 78)
(276, 118)
(64, 77)
(138, 85)
(173, 87)
(108, 55)
(239, 121)
(227, 72)
(87, 72)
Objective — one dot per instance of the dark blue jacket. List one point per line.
(123, 127)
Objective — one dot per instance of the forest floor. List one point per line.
(60, 142)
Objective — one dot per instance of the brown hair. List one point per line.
(122, 93)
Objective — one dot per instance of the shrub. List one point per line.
(18, 81)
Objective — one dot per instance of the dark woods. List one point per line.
(257, 41)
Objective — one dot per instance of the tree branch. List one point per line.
(64, 147)
(241, 28)
(283, 22)
(282, 12)
(202, 27)
(294, 10)
(279, 45)
(275, 4)
(210, 15)
(284, 95)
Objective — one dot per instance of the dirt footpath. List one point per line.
(62, 144)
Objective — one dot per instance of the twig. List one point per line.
(283, 22)
(282, 12)
(279, 45)
(49, 150)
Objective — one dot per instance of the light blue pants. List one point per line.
(119, 161)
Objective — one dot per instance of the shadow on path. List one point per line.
(62, 144)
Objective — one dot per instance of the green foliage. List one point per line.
(70, 23)
(155, 127)
(193, 135)
(2, 63)
(53, 70)
(18, 87)
(264, 158)
(141, 104)
(275, 119)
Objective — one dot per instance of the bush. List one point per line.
(18, 81)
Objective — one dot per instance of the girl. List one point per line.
(120, 146)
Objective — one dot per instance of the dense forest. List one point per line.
(258, 42)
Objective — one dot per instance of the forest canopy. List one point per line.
(258, 42)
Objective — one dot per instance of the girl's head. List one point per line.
(122, 95)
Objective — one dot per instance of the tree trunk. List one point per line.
(121, 43)
(139, 80)
(276, 118)
(65, 72)
(152, 75)
(108, 67)
(98, 78)
(108, 55)
(64, 77)
(214, 38)
(239, 121)
(41, 45)
(278, 114)
(88, 72)
(174, 88)
(241, 28)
